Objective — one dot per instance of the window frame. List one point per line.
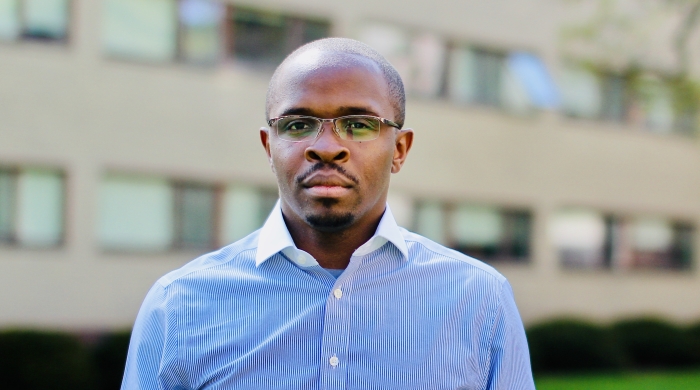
(502, 253)
(23, 37)
(14, 241)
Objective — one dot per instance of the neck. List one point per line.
(332, 249)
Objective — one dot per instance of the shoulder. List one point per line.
(240, 254)
(424, 250)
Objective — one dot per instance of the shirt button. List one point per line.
(334, 361)
(337, 293)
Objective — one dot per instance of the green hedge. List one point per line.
(34, 360)
(572, 345)
(40, 360)
(651, 343)
(108, 359)
(43, 360)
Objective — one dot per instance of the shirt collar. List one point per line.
(274, 237)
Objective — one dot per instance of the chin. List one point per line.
(330, 222)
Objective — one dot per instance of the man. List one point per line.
(331, 293)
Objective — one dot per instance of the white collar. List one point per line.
(274, 237)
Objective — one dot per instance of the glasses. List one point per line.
(297, 128)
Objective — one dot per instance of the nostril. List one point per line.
(311, 155)
(341, 156)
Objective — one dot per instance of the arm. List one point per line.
(509, 366)
(149, 355)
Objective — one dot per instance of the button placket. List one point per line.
(336, 330)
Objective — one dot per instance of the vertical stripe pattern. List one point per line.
(437, 320)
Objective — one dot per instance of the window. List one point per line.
(155, 214)
(31, 207)
(136, 213)
(245, 209)
(663, 106)
(195, 215)
(419, 57)
(581, 237)
(615, 99)
(652, 105)
(530, 71)
(486, 233)
(593, 240)
(517, 81)
(488, 75)
(202, 32)
(140, 29)
(45, 20)
(589, 93)
(265, 38)
(639, 99)
(8, 193)
(581, 92)
(476, 76)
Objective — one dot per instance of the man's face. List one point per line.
(328, 182)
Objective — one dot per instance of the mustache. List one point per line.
(320, 166)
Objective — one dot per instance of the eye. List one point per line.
(360, 124)
(359, 128)
(297, 125)
(297, 128)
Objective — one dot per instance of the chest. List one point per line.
(351, 336)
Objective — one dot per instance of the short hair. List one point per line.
(397, 93)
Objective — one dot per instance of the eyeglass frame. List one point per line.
(385, 121)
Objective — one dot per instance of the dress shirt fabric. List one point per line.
(407, 313)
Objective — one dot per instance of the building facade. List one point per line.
(129, 145)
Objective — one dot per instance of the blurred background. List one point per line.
(555, 140)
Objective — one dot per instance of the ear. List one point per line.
(404, 141)
(265, 139)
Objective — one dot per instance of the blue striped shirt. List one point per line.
(407, 313)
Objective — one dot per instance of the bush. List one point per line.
(652, 343)
(572, 345)
(31, 360)
(692, 333)
(109, 358)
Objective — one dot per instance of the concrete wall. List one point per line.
(73, 108)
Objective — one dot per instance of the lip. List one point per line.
(327, 185)
(327, 191)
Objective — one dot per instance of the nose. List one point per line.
(327, 147)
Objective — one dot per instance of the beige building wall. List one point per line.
(73, 108)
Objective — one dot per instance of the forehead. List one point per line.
(328, 84)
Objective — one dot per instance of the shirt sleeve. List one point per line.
(510, 358)
(149, 363)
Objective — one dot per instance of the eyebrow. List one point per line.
(343, 110)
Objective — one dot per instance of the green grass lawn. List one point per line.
(625, 381)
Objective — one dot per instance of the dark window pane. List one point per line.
(195, 216)
(517, 235)
(682, 253)
(7, 205)
(614, 98)
(488, 71)
(259, 37)
(46, 19)
(265, 38)
(491, 235)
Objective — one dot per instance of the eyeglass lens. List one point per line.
(353, 128)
